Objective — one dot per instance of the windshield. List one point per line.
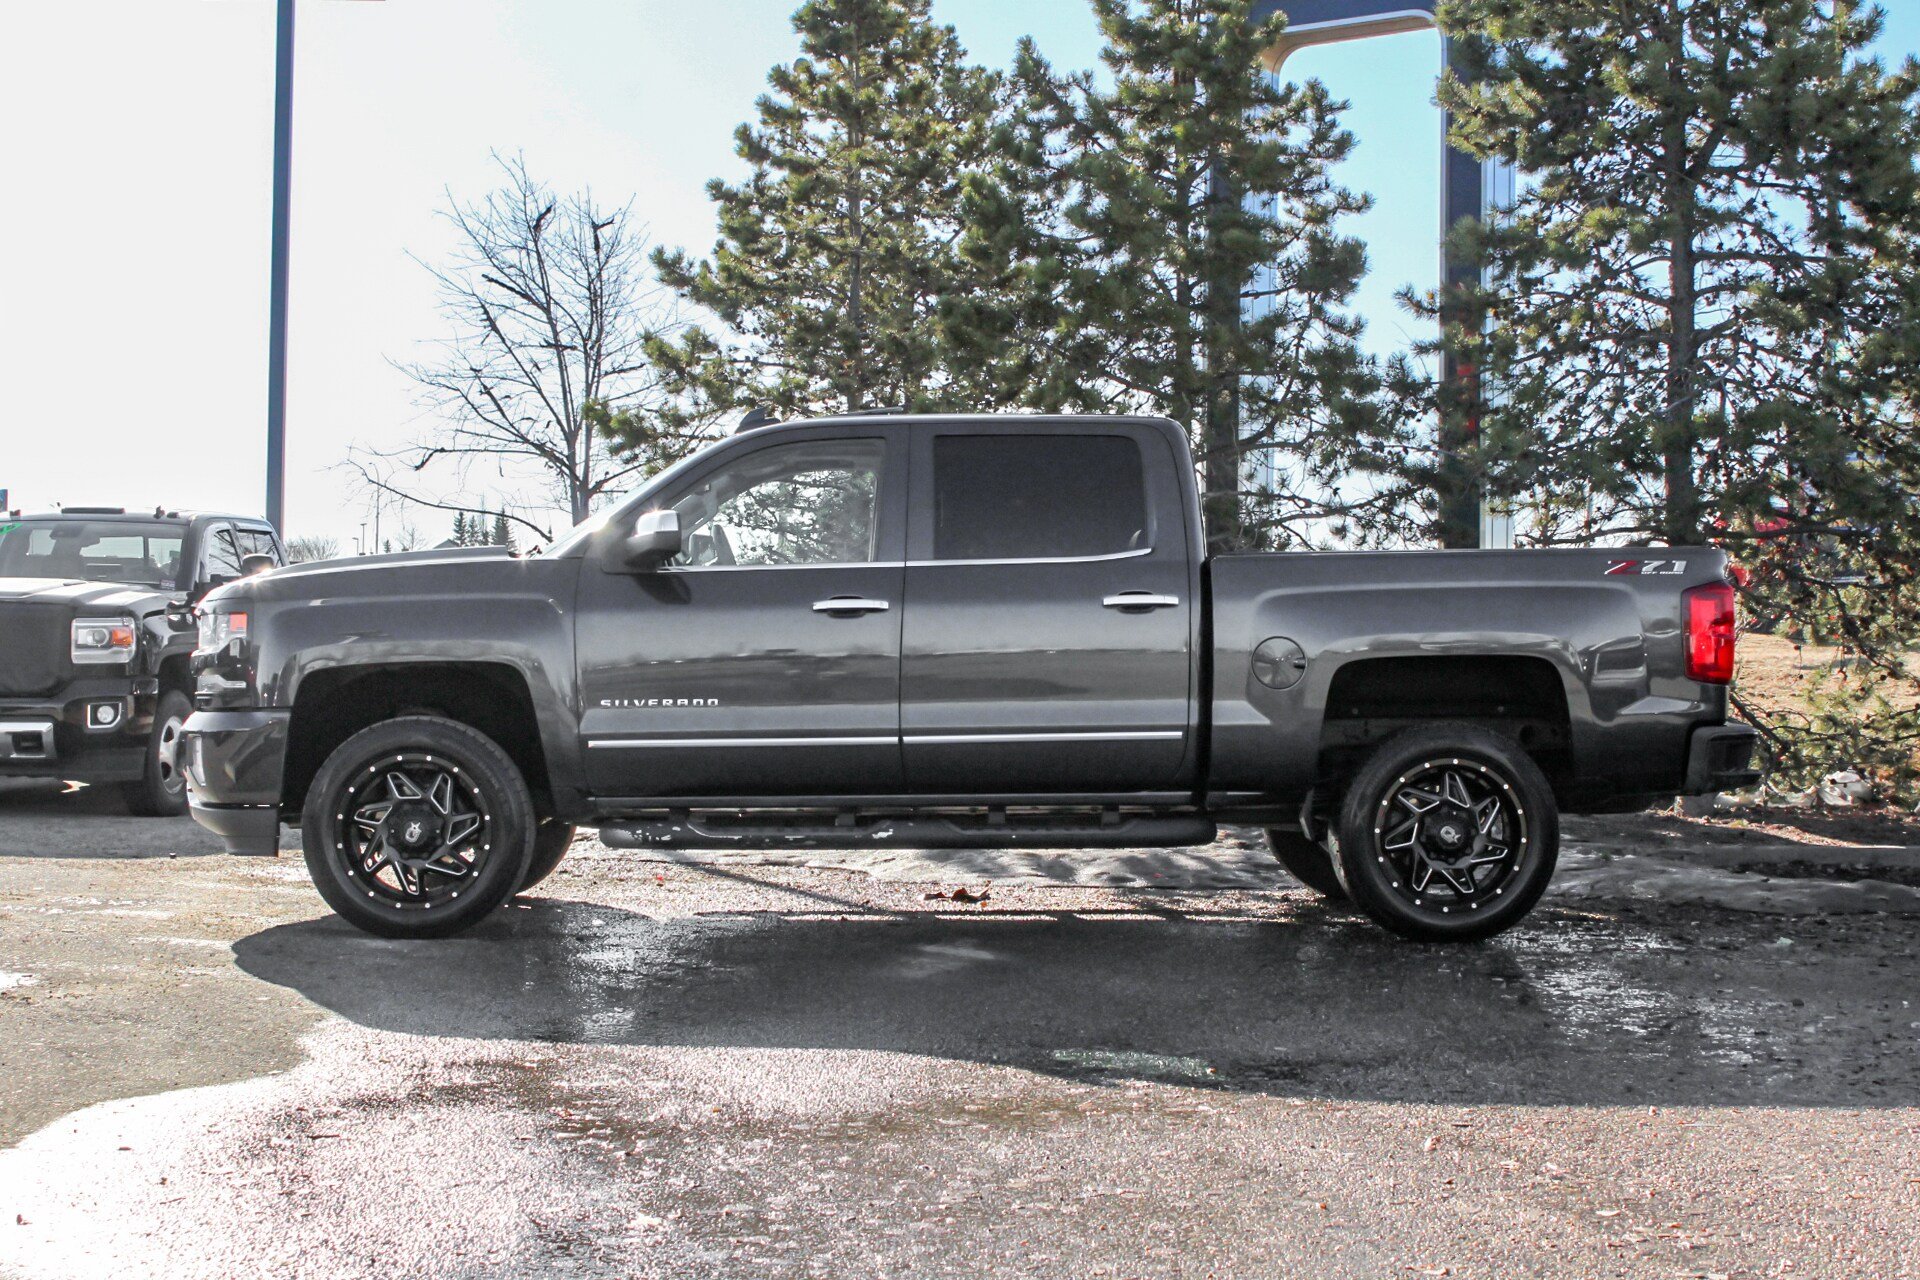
(130, 551)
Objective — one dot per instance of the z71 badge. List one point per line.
(1645, 568)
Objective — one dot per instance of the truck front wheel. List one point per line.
(550, 844)
(1448, 834)
(161, 791)
(417, 827)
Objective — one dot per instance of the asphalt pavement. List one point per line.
(1151, 1065)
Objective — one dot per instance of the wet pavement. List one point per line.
(741, 1069)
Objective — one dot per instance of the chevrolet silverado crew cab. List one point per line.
(1005, 632)
(97, 636)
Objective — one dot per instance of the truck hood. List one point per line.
(89, 595)
(401, 573)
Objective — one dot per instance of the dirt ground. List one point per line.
(1153, 1063)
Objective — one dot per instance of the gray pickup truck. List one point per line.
(1005, 632)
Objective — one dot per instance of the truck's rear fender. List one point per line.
(1543, 646)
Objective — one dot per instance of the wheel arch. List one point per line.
(332, 704)
(1370, 700)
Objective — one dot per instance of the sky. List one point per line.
(138, 142)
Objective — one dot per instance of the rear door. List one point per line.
(1048, 637)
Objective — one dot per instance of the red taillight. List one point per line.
(1710, 624)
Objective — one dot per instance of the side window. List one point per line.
(815, 502)
(258, 542)
(1041, 496)
(221, 559)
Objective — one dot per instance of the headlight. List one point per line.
(102, 640)
(222, 663)
(220, 628)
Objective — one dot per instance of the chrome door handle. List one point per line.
(1140, 600)
(850, 604)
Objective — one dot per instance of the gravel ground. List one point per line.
(1147, 1065)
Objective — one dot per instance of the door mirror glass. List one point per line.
(250, 565)
(654, 541)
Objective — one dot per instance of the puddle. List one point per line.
(1145, 1066)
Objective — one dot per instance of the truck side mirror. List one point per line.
(654, 541)
(250, 565)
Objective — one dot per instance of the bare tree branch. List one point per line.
(549, 302)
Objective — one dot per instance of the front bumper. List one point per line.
(234, 762)
(70, 748)
(1720, 758)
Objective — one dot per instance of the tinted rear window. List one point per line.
(1025, 497)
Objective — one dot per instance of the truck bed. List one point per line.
(1588, 643)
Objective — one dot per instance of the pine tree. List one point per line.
(1175, 234)
(838, 253)
(502, 535)
(1681, 298)
(459, 528)
(1705, 314)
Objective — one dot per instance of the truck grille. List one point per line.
(33, 649)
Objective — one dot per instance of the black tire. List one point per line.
(550, 842)
(161, 791)
(1307, 861)
(1438, 808)
(417, 827)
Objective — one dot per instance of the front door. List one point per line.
(765, 659)
(1048, 644)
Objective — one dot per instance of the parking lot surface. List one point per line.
(753, 1067)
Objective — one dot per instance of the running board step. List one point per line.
(866, 831)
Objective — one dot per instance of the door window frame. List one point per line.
(890, 506)
(203, 570)
(1159, 488)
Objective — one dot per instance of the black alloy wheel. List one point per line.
(1448, 833)
(417, 827)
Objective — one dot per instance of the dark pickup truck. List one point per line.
(96, 639)
(876, 631)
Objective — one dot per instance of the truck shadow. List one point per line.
(1571, 1009)
(40, 819)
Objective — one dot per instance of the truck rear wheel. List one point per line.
(1307, 861)
(417, 827)
(161, 791)
(1448, 834)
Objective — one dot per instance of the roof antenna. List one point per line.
(758, 416)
